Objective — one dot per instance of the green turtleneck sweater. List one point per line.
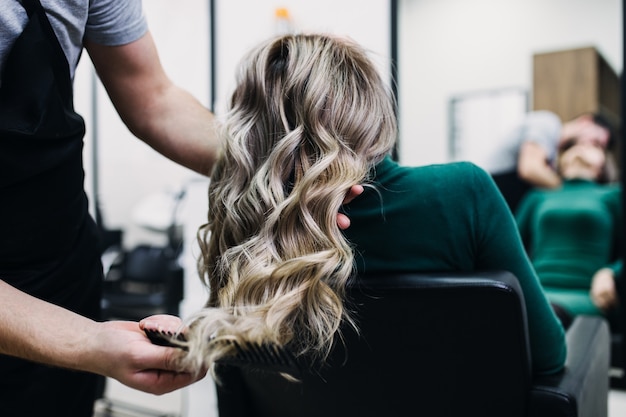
(450, 218)
(570, 233)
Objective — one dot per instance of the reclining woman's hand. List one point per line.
(343, 221)
(603, 292)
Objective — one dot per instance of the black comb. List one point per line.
(163, 338)
(254, 356)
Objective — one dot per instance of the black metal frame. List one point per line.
(212, 53)
(393, 38)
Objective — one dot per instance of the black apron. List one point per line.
(48, 241)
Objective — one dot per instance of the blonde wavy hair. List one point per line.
(309, 118)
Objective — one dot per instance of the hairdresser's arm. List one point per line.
(38, 331)
(166, 117)
(532, 166)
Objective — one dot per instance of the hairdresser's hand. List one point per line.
(161, 322)
(603, 292)
(126, 354)
(343, 221)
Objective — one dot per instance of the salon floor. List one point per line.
(617, 403)
(129, 403)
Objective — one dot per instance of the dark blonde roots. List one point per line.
(309, 118)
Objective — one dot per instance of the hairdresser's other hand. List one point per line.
(127, 355)
(603, 292)
(343, 221)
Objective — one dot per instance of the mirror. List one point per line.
(451, 49)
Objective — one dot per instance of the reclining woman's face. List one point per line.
(584, 130)
(582, 161)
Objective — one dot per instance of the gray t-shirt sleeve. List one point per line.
(115, 22)
(544, 128)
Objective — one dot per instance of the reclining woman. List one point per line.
(310, 117)
(573, 234)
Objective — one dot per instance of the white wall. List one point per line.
(241, 24)
(450, 47)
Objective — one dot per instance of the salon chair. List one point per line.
(431, 345)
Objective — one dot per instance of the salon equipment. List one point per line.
(148, 278)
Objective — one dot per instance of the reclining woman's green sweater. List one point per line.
(570, 233)
(450, 218)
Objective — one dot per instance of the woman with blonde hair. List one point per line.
(310, 117)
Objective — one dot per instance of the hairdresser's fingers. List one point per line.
(148, 356)
(160, 382)
(343, 221)
(354, 192)
(161, 322)
(163, 374)
(122, 351)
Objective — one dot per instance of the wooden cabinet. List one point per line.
(574, 81)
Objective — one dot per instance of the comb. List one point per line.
(254, 356)
(163, 338)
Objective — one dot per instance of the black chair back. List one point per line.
(429, 345)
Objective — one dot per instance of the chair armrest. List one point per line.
(582, 388)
